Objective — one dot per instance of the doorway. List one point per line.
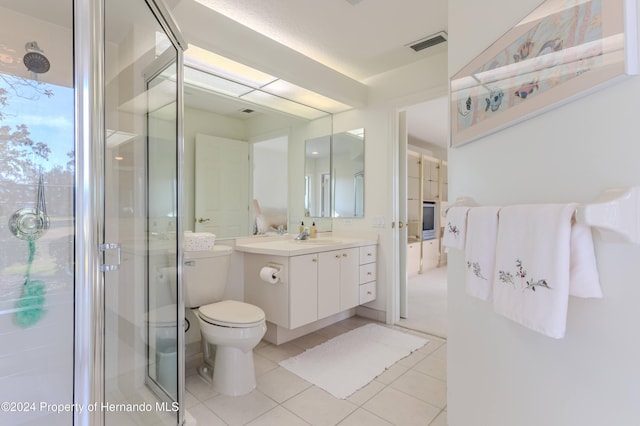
(423, 179)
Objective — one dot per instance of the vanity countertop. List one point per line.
(292, 247)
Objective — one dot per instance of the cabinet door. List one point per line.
(430, 254)
(303, 290)
(329, 283)
(349, 278)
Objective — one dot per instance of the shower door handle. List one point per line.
(111, 246)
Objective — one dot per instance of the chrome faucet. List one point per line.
(303, 235)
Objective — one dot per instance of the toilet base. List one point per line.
(208, 354)
(234, 372)
(205, 371)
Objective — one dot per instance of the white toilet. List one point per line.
(234, 327)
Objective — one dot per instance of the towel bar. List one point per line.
(615, 214)
(460, 201)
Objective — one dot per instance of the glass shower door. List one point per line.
(142, 316)
(36, 212)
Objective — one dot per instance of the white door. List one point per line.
(402, 213)
(222, 186)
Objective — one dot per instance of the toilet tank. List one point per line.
(204, 275)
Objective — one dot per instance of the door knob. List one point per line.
(400, 224)
(202, 220)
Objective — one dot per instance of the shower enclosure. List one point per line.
(91, 315)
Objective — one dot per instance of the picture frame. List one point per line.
(561, 50)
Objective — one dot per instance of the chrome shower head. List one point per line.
(34, 59)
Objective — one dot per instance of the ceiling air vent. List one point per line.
(432, 40)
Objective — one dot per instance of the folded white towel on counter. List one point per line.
(455, 227)
(535, 257)
(480, 250)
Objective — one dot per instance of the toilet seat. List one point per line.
(233, 314)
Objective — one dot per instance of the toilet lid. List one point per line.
(231, 313)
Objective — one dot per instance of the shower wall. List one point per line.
(37, 134)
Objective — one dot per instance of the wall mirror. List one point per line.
(334, 176)
(242, 157)
(347, 162)
(317, 177)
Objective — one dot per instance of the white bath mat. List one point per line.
(349, 361)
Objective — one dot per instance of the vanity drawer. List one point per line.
(367, 254)
(367, 273)
(367, 292)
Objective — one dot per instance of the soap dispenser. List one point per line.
(313, 231)
(301, 227)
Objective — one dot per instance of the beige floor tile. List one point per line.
(263, 365)
(434, 367)
(190, 400)
(432, 346)
(423, 387)
(332, 331)
(309, 340)
(362, 417)
(199, 388)
(441, 420)
(204, 416)
(318, 407)
(399, 408)
(355, 322)
(411, 360)
(239, 410)
(278, 417)
(441, 352)
(280, 352)
(280, 384)
(392, 373)
(366, 393)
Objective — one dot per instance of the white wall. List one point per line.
(388, 93)
(500, 373)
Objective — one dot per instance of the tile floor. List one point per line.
(411, 392)
(427, 302)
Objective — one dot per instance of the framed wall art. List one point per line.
(563, 49)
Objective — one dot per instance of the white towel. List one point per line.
(535, 255)
(585, 280)
(480, 251)
(455, 227)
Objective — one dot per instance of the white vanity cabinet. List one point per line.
(367, 277)
(337, 281)
(322, 284)
(304, 296)
(317, 280)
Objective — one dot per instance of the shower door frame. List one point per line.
(89, 303)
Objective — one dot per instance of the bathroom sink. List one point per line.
(316, 241)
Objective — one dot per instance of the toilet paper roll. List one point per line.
(268, 275)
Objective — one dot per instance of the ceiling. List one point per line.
(358, 38)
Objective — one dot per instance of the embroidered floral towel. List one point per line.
(455, 227)
(480, 250)
(535, 255)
